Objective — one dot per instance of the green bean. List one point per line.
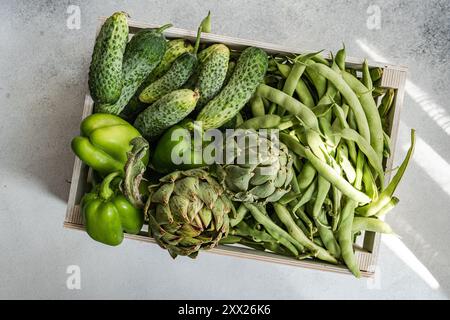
(340, 115)
(244, 230)
(347, 217)
(376, 74)
(378, 91)
(388, 207)
(374, 160)
(252, 244)
(290, 196)
(230, 239)
(301, 225)
(386, 103)
(337, 80)
(291, 105)
(319, 81)
(370, 109)
(325, 232)
(370, 224)
(306, 220)
(262, 122)
(301, 89)
(293, 145)
(306, 176)
(369, 183)
(292, 79)
(276, 248)
(257, 106)
(345, 237)
(240, 215)
(274, 230)
(340, 58)
(385, 196)
(306, 197)
(337, 196)
(351, 120)
(285, 217)
(316, 144)
(318, 57)
(295, 186)
(297, 162)
(366, 79)
(330, 174)
(318, 241)
(344, 163)
(387, 145)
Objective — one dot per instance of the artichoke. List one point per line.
(258, 170)
(187, 211)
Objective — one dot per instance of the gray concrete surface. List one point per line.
(43, 73)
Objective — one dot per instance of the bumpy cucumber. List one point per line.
(167, 111)
(175, 48)
(212, 73)
(142, 54)
(180, 71)
(105, 72)
(248, 74)
(177, 75)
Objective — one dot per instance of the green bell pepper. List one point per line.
(105, 142)
(176, 141)
(107, 213)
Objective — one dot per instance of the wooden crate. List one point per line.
(366, 253)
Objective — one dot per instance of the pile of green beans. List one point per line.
(334, 121)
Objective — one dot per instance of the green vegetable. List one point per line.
(370, 224)
(142, 54)
(274, 230)
(349, 95)
(206, 23)
(167, 111)
(248, 178)
(188, 211)
(175, 48)
(301, 89)
(180, 71)
(176, 141)
(385, 196)
(104, 142)
(105, 72)
(297, 234)
(212, 73)
(248, 73)
(344, 233)
(107, 213)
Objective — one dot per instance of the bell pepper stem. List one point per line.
(105, 190)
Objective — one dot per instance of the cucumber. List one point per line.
(178, 74)
(212, 73)
(247, 75)
(175, 48)
(142, 54)
(105, 71)
(180, 71)
(164, 113)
